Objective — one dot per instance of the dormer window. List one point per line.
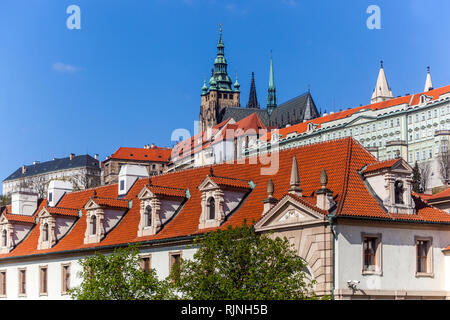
(93, 225)
(102, 214)
(158, 205)
(211, 209)
(395, 193)
(220, 196)
(398, 186)
(4, 239)
(45, 232)
(148, 216)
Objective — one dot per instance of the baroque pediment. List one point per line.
(289, 212)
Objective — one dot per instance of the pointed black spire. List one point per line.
(252, 99)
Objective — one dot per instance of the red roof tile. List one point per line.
(349, 192)
(143, 154)
(20, 218)
(410, 99)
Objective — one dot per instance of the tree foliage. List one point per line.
(118, 276)
(416, 179)
(4, 200)
(236, 263)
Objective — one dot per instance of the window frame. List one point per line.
(378, 256)
(65, 278)
(22, 283)
(171, 255)
(43, 282)
(429, 258)
(3, 283)
(144, 257)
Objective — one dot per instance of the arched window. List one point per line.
(4, 238)
(45, 231)
(148, 216)
(211, 208)
(94, 225)
(398, 187)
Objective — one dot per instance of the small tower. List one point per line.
(271, 91)
(382, 91)
(295, 179)
(252, 98)
(428, 82)
(270, 201)
(325, 199)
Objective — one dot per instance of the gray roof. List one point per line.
(291, 112)
(55, 165)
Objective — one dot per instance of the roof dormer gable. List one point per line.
(390, 182)
(54, 224)
(13, 229)
(220, 196)
(158, 205)
(102, 215)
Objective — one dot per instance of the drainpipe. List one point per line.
(331, 220)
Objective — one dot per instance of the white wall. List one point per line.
(398, 259)
(159, 261)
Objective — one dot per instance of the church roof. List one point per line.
(290, 112)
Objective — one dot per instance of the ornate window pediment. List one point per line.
(54, 223)
(391, 181)
(103, 214)
(220, 196)
(13, 229)
(158, 205)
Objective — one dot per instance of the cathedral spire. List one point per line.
(271, 92)
(428, 82)
(220, 75)
(382, 91)
(252, 98)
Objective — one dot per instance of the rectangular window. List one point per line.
(409, 119)
(417, 156)
(122, 184)
(371, 245)
(374, 127)
(429, 114)
(417, 117)
(392, 123)
(423, 257)
(3, 283)
(43, 280)
(435, 113)
(385, 124)
(146, 263)
(22, 282)
(174, 260)
(423, 116)
(65, 278)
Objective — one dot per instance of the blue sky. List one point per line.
(133, 72)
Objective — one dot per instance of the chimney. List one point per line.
(36, 162)
(72, 155)
(56, 189)
(128, 175)
(96, 156)
(153, 145)
(24, 202)
(24, 169)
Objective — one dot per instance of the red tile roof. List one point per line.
(410, 99)
(349, 191)
(440, 195)
(142, 154)
(381, 165)
(20, 218)
(63, 211)
(111, 202)
(167, 191)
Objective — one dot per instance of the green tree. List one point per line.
(4, 200)
(118, 276)
(416, 179)
(237, 263)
